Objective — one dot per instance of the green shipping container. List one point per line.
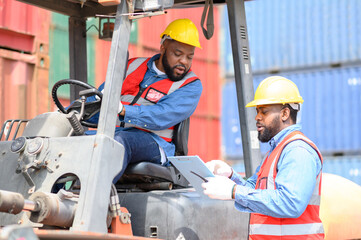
(59, 52)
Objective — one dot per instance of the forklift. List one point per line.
(150, 201)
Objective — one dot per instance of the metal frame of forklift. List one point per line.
(86, 220)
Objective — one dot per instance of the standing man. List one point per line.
(158, 93)
(283, 196)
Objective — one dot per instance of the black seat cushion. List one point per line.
(151, 173)
(148, 169)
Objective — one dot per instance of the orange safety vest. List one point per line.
(308, 225)
(132, 94)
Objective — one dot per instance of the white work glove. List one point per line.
(219, 167)
(120, 107)
(219, 187)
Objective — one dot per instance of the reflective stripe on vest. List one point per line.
(134, 65)
(308, 224)
(166, 134)
(153, 93)
(286, 230)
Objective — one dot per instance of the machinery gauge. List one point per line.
(35, 145)
(18, 145)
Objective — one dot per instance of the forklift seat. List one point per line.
(150, 176)
(180, 138)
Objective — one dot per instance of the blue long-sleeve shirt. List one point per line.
(169, 110)
(298, 168)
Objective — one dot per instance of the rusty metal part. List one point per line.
(72, 235)
(31, 206)
(124, 217)
(55, 209)
(11, 202)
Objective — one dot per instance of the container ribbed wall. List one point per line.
(24, 60)
(346, 166)
(294, 34)
(316, 44)
(330, 114)
(102, 51)
(59, 52)
(23, 27)
(231, 131)
(151, 28)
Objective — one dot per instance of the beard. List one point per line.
(270, 131)
(170, 70)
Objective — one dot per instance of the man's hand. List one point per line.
(219, 167)
(219, 187)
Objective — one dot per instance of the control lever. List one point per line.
(74, 117)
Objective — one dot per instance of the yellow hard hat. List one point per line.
(276, 90)
(184, 31)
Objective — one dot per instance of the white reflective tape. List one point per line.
(286, 230)
(270, 178)
(167, 133)
(143, 102)
(135, 64)
(179, 83)
(130, 98)
(315, 199)
(127, 98)
(176, 85)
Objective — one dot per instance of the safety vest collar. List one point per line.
(268, 171)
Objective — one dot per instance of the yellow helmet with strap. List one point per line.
(184, 31)
(276, 90)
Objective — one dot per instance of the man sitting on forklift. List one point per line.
(158, 93)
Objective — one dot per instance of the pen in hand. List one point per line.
(205, 180)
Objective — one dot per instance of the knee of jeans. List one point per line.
(156, 159)
(119, 139)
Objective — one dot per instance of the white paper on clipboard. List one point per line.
(188, 164)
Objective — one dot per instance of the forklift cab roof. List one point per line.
(91, 8)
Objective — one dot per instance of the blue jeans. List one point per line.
(139, 146)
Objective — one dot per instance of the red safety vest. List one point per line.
(308, 225)
(132, 94)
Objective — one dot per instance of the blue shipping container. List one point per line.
(330, 115)
(293, 34)
(231, 131)
(345, 166)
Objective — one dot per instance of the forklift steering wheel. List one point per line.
(78, 83)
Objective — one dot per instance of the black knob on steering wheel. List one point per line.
(73, 82)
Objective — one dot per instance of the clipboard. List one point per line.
(193, 169)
